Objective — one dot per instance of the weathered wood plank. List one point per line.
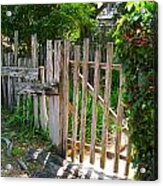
(34, 55)
(43, 109)
(56, 77)
(37, 88)
(23, 97)
(20, 72)
(49, 62)
(56, 124)
(84, 96)
(57, 60)
(65, 95)
(119, 125)
(61, 104)
(3, 82)
(94, 111)
(75, 101)
(12, 81)
(28, 97)
(128, 161)
(49, 79)
(34, 47)
(15, 63)
(102, 65)
(9, 83)
(108, 77)
(35, 110)
(19, 80)
(15, 47)
(4, 87)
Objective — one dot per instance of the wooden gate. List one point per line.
(82, 87)
(66, 67)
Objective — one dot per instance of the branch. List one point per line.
(99, 10)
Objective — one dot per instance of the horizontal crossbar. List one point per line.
(20, 72)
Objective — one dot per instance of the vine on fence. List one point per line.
(135, 38)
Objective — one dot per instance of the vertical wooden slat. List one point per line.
(9, 83)
(4, 91)
(57, 60)
(65, 96)
(19, 80)
(75, 100)
(108, 77)
(49, 78)
(15, 63)
(35, 65)
(28, 97)
(15, 47)
(94, 112)
(24, 97)
(53, 132)
(30, 65)
(119, 124)
(84, 97)
(12, 81)
(43, 109)
(36, 114)
(4, 87)
(127, 168)
(61, 102)
(56, 77)
(49, 64)
(34, 45)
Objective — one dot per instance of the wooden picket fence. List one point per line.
(47, 85)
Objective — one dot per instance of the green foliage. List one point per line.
(135, 38)
(48, 21)
(23, 123)
(17, 152)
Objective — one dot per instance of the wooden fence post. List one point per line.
(129, 148)
(35, 65)
(56, 76)
(108, 77)
(54, 130)
(119, 124)
(43, 109)
(15, 47)
(15, 63)
(65, 97)
(4, 87)
(9, 83)
(84, 97)
(49, 78)
(94, 111)
(75, 101)
(19, 80)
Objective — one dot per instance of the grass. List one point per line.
(23, 138)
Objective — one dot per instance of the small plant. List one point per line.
(17, 152)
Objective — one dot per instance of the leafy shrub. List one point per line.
(135, 38)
